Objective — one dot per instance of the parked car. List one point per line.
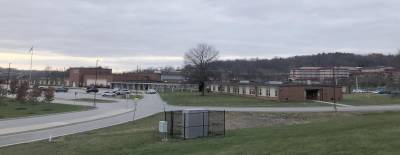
(92, 90)
(122, 92)
(62, 89)
(151, 91)
(108, 94)
(359, 91)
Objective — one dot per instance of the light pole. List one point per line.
(8, 76)
(95, 82)
(334, 88)
(30, 72)
(135, 106)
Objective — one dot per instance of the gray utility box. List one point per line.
(195, 123)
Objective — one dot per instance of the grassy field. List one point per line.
(9, 108)
(369, 99)
(194, 99)
(363, 134)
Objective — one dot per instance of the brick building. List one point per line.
(277, 91)
(137, 77)
(317, 75)
(310, 92)
(81, 77)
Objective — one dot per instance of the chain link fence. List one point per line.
(192, 124)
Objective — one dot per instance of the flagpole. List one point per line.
(30, 72)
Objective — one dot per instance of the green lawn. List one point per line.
(91, 100)
(194, 99)
(369, 99)
(10, 108)
(361, 134)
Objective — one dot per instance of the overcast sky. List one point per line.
(153, 33)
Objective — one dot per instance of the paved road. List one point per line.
(151, 104)
(145, 107)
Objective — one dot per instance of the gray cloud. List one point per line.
(168, 28)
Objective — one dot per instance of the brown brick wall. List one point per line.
(292, 93)
(149, 77)
(328, 94)
(297, 93)
(77, 74)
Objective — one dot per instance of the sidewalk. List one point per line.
(331, 103)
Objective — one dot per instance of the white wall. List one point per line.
(247, 90)
(99, 82)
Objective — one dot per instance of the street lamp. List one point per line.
(334, 88)
(95, 82)
(8, 76)
(30, 72)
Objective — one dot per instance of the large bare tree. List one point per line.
(199, 59)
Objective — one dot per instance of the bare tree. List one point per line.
(3, 92)
(13, 86)
(397, 59)
(22, 91)
(199, 59)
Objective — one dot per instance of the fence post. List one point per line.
(208, 123)
(172, 123)
(224, 123)
(184, 126)
(203, 123)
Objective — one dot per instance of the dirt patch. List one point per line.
(237, 120)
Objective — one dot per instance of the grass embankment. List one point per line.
(211, 99)
(369, 99)
(362, 134)
(10, 108)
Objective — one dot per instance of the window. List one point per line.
(268, 92)
(260, 92)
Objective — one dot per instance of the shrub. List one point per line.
(34, 94)
(49, 95)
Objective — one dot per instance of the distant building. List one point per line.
(160, 81)
(137, 77)
(81, 76)
(173, 76)
(318, 74)
(380, 69)
(278, 91)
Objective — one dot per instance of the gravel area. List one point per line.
(237, 120)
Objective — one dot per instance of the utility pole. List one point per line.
(357, 83)
(30, 72)
(334, 88)
(8, 76)
(95, 82)
(64, 73)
